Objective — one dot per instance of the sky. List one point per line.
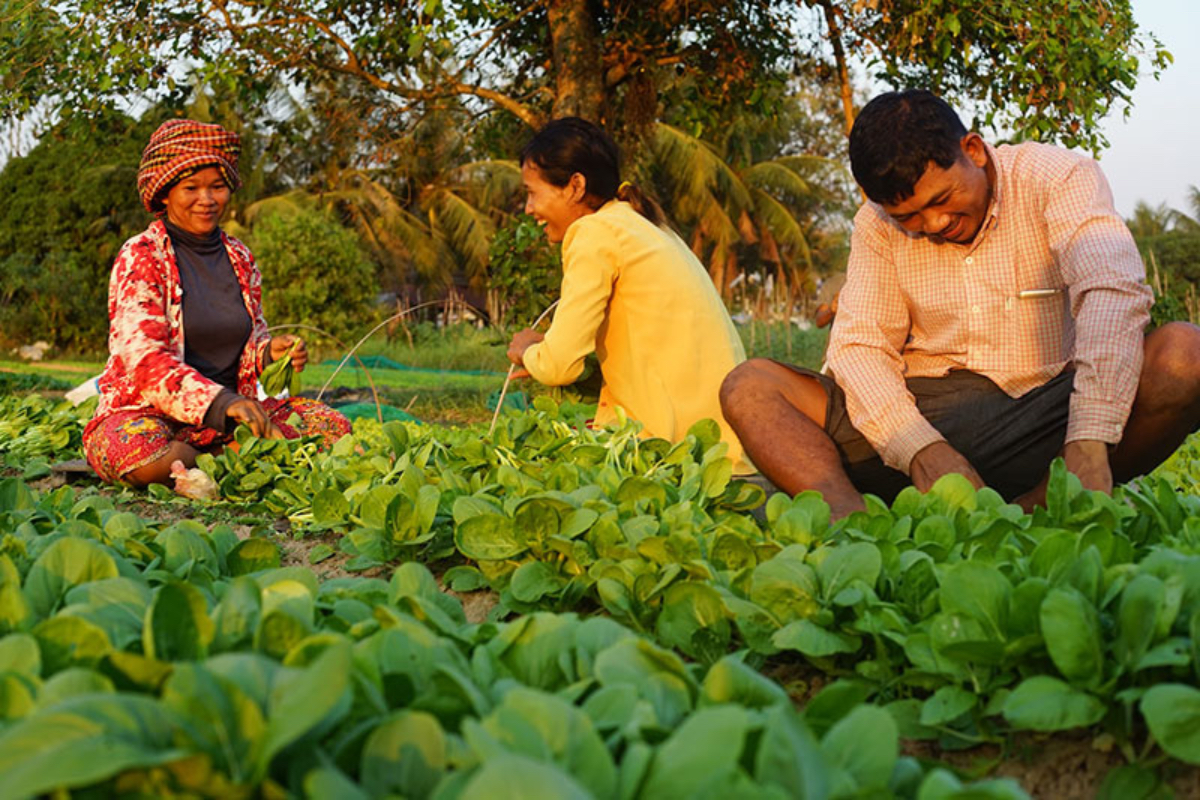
(1154, 154)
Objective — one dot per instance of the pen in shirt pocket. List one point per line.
(1031, 294)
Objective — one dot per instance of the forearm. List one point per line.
(1108, 361)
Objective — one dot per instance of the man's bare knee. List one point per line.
(1173, 353)
(743, 381)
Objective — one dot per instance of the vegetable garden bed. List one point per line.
(649, 636)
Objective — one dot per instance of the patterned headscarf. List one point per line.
(182, 147)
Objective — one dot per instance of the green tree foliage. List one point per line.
(1046, 71)
(524, 273)
(314, 272)
(65, 210)
(1169, 241)
(528, 58)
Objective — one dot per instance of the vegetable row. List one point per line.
(153, 659)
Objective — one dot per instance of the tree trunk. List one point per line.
(839, 56)
(578, 68)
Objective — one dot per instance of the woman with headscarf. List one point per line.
(632, 292)
(187, 339)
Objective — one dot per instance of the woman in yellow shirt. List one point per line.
(632, 292)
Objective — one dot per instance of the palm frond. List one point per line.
(700, 176)
(777, 177)
(467, 229)
(492, 184)
(784, 228)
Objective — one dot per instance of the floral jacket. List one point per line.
(145, 340)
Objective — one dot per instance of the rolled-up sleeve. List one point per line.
(1109, 298)
(864, 352)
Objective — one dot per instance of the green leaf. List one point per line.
(324, 685)
(694, 620)
(1133, 782)
(278, 374)
(834, 702)
(330, 507)
(946, 705)
(14, 609)
(731, 680)
(534, 580)
(541, 725)
(319, 553)
(514, 777)
(488, 537)
(1043, 703)
(659, 675)
(703, 751)
(177, 624)
(253, 555)
(955, 492)
(19, 653)
(84, 741)
(218, 719)
(1172, 711)
(845, 564)
(1140, 601)
(72, 682)
(236, 616)
(812, 640)
(789, 756)
(787, 588)
(464, 579)
(978, 591)
(864, 743)
(67, 641)
(1071, 629)
(67, 562)
(404, 755)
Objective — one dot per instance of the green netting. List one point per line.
(383, 362)
(367, 411)
(518, 401)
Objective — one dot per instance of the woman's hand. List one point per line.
(522, 341)
(250, 412)
(282, 343)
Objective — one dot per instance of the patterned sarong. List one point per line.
(127, 440)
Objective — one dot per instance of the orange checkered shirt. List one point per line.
(1052, 278)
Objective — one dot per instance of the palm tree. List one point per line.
(1185, 223)
(738, 219)
(1150, 220)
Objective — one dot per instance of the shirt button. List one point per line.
(974, 309)
(969, 260)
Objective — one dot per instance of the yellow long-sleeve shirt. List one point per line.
(636, 295)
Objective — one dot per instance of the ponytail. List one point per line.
(642, 203)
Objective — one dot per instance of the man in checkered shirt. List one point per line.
(993, 318)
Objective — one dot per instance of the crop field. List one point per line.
(549, 611)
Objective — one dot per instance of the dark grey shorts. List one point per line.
(1009, 441)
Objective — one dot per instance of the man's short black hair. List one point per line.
(895, 137)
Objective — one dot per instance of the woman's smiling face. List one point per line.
(555, 207)
(196, 203)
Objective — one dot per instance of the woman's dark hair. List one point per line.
(895, 137)
(569, 145)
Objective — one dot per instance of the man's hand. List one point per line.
(1087, 459)
(935, 460)
(521, 342)
(281, 344)
(251, 412)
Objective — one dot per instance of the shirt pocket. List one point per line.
(1045, 330)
